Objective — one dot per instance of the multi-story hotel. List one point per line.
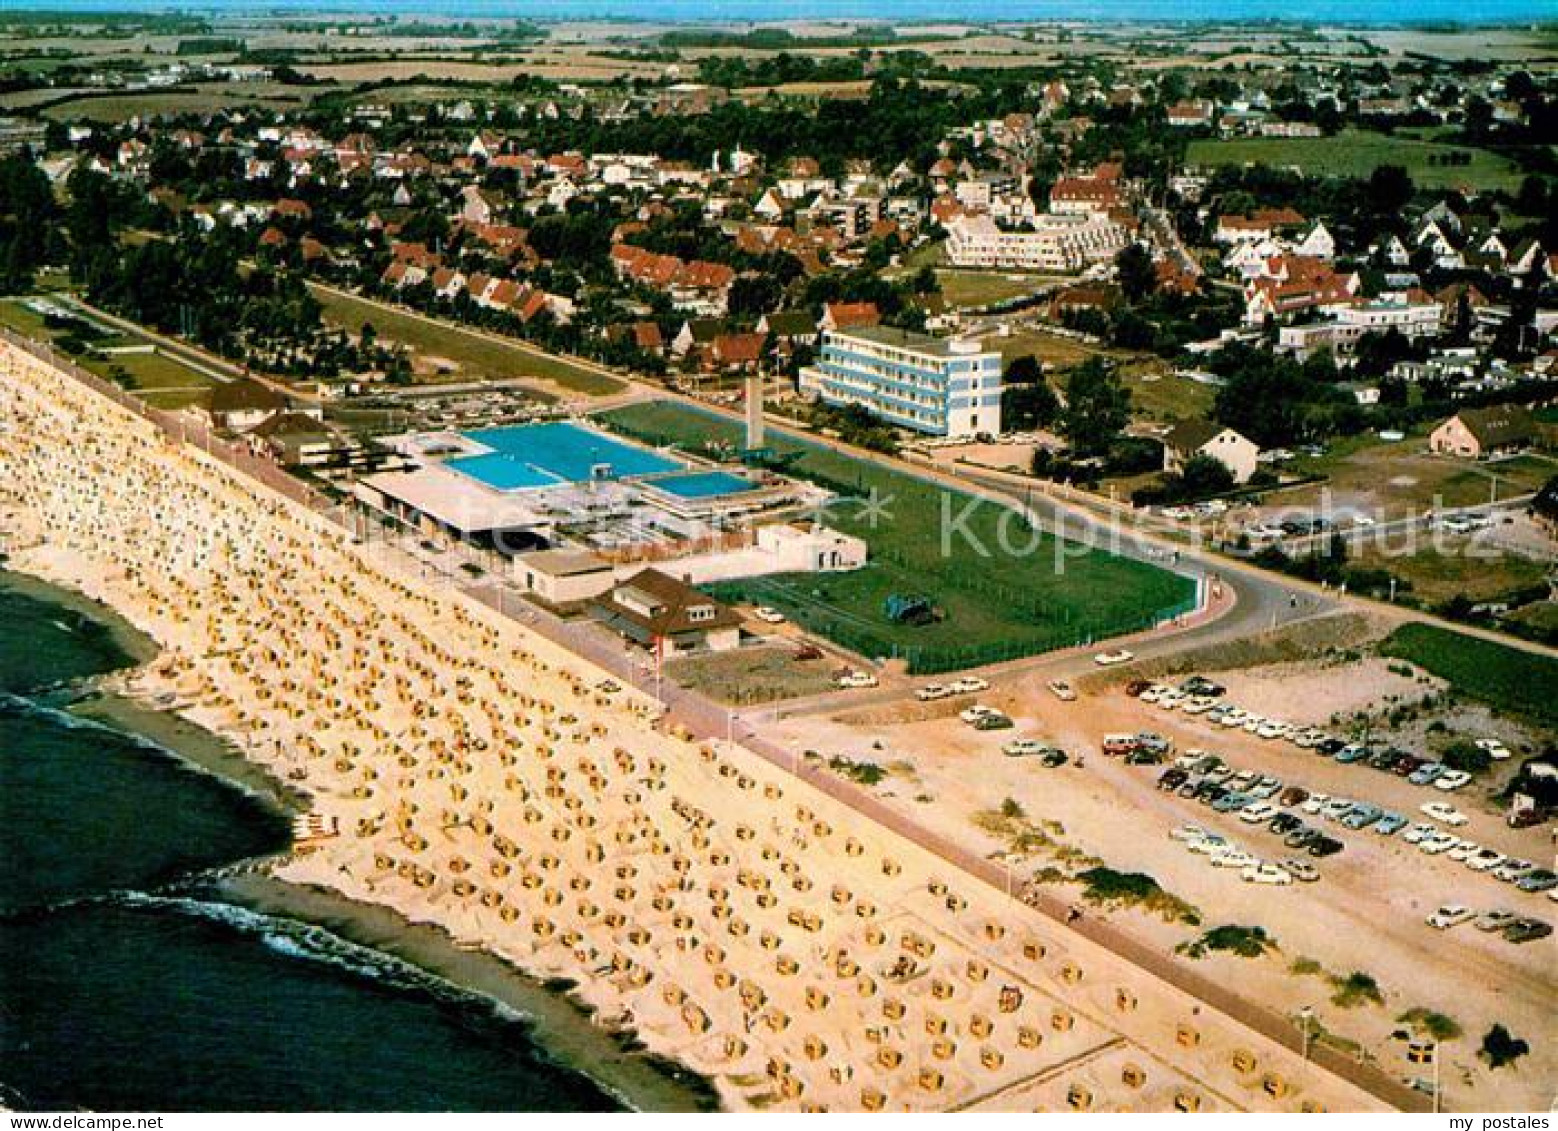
(1054, 243)
(944, 386)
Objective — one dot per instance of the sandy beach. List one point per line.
(465, 772)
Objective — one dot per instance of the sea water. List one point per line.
(128, 982)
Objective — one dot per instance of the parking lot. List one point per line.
(1366, 912)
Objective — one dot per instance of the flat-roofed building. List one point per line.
(943, 386)
(1054, 242)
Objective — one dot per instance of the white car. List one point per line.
(1258, 813)
(1234, 858)
(1171, 699)
(1418, 833)
(1209, 844)
(1110, 659)
(1188, 833)
(768, 615)
(1464, 851)
(1199, 704)
(931, 692)
(856, 679)
(1266, 874)
(1023, 747)
(1301, 870)
(1062, 690)
(1494, 748)
(1153, 694)
(1439, 842)
(1486, 860)
(1451, 779)
(972, 715)
(1495, 920)
(1444, 814)
(1316, 802)
(1274, 729)
(1234, 718)
(968, 684)
(1451, 915)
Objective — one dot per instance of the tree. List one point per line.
(1026, 406)
(1024, 370)
(1500, 1047)
(752, 296)
(1138, 278)
(1098, 406)
(1204, 475)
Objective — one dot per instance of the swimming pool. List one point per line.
(703, 484)
(546, 455)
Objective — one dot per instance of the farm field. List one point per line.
(1017, 596)
(471, 356)
(1357, 153)
(119, 107)
(1504, 677)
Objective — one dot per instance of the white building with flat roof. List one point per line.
(1054, 243)
(943, 386)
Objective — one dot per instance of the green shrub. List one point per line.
(1356, 989)
(1245, 942)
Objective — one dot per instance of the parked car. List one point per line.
(1266, 874)
(1200, 685)
(1485, 860)
(1495, 920)
(1539, 880)
(1023, 748)
(1187, 833)
(1115, 745)
(1451, 779)
(1300, 837)
(994, 720)
(1294, 795)
(1062, 690)
(1316, 802)
(1053, 757)
(1212, 842)
(1527, 930)
(968, 685)
(1464, 851)
(1351, 753)
(1437, 843)
(1451, 915)
(1137, 686)
(1444, 814)
(808, 652)
(1419, 833)
(1389, 824)
(1110, 659)
(1284, 823)
(1233, 858)
(1406, 766)
(1172, 778)
(1257, 813)
(1513, 871)
(1301, 870)
(1323, 845)
(1360, 816)
(857, 679)
(1426, 773)
(1494, 748)
(931, 692)
(768, 615)
(1330, 747)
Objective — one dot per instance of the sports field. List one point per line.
(1357, 153)
(1000, 598)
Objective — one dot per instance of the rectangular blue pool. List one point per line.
(545, 455)
(703, 484)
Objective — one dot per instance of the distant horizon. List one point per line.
(1446, 15)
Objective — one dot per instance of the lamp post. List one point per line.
(1307, 1016)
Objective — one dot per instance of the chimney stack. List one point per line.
(754, 412)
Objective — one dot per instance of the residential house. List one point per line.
(1484, 433)
(668, 616)
(1191, 438)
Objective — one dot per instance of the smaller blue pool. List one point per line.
(704, 485)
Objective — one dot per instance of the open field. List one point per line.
(1357, 153)
(1013, 591)
(1458, 570)
(1501, 676)
(474, 356)
(1401, 479)
(1156, 395)
(980, 288)
(1054, 350)
(757, 674)
(119, 107)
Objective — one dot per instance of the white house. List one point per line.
(1191, 438)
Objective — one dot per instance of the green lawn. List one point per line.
(476, 355)
(1001, 598)
(981, 288)
(1501, 676)
(1357, 153)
